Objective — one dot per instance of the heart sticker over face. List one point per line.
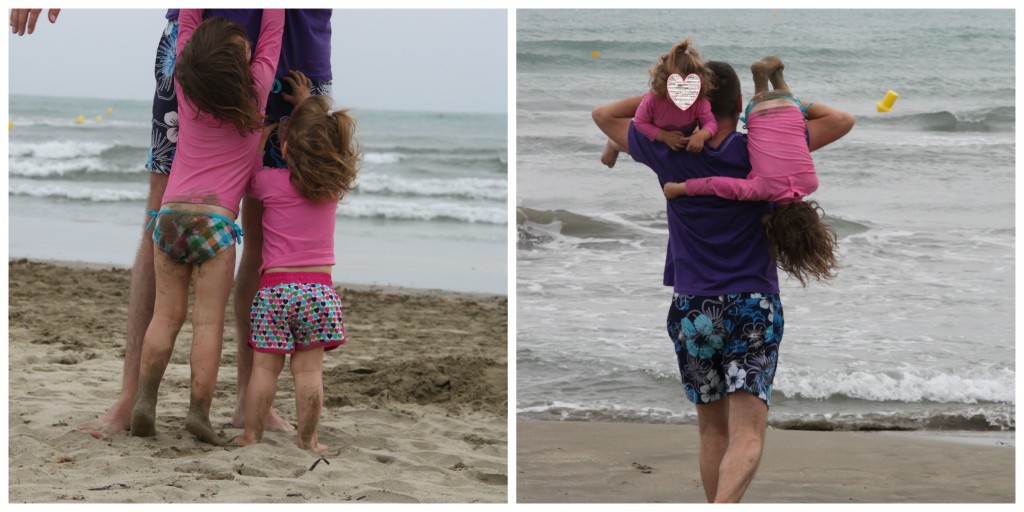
(683, 92)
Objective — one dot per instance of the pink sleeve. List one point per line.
(188, 20)
(706, 118)
(643, 120)
(729, 188)
(268, 52)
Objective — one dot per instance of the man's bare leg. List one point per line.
(141, 296)
(247, 283)
(748, 419)
(713, 421)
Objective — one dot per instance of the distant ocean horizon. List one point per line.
(916, 332)
(430, 210)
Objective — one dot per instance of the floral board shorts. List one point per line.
(164, 135)
(725, 343)
(296, 311)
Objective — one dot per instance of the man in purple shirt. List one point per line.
(726, 317)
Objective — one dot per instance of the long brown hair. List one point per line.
(683, 59)
(213, 71)
(801, 243)
(322, 153)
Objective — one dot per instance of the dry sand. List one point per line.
(573, 462)
(415, 407)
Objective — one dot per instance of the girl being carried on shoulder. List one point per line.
(660, 118)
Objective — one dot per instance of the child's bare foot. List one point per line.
(143, 419)
(274, 422)
(244, 440)
(312, 445)
(610, 154)
(200, 427)
(761, 72)
(774, 67)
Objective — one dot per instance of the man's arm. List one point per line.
(826, 125)
(613, 119)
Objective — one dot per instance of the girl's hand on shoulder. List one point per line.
(300, 85)
(674, 140)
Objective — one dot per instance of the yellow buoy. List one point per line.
(110, 110)
(774, 13)
(10, 125)
(595, 54)
(886, 104)
(80, 120)
(99, 118)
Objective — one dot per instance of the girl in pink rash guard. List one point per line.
(660, 119)
(222, 99)
(296, 310)
(781, 171)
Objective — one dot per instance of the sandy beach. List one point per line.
(591, 462)
(415, 406)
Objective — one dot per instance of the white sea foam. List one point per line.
(470, 188)
(906, 385)
(59, 149)
(79, 191)
(422, 210)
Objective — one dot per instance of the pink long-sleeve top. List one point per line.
(297, 232)
(656, 113)
(213, 163)
(781, 167)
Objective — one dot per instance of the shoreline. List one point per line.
(361, 287)
(402, 424)
(574, 462)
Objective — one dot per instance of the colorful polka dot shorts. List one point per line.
(296, 311)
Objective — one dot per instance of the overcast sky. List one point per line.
(458, 57)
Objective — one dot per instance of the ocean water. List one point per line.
(916, 332)
(430, 210)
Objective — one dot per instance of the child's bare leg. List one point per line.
(776, 65)
(761, 71)
(169, 310)
(213, 286)
(259, 397)
(610, 154)
(307, 370)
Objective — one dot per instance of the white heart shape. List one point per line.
(683, 92)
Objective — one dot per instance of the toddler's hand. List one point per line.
(695, 145)
(674, 140)
(673, 190)
(300, 85)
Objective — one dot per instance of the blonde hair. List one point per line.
(323, 157)
(683, 59)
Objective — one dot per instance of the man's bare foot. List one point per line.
(143, 419)
(202, 429)
(610, 154)
(274, 422)
(117, 419)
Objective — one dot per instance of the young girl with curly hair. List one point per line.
(296, 310)
(222, 86)
(782, 171)
(659, 118)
